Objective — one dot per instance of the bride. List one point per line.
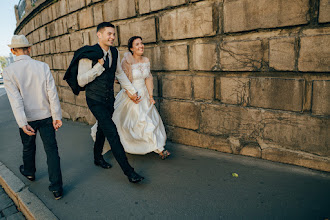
(139, 126)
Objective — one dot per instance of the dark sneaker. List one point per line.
(29, 177)
(58, 194)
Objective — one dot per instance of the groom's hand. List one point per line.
(101, 61)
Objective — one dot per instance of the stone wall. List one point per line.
(247, 77)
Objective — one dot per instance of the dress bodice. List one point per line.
(140, 71)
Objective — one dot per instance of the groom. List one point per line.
(98, 66)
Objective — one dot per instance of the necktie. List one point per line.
(106, 63)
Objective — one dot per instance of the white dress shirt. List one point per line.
(31, 90)
(87, 73)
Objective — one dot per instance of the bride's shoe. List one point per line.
(164, 154)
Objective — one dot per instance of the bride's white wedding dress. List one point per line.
(139, 126)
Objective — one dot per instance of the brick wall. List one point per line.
(246, 77)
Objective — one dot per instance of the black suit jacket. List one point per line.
(93, 53)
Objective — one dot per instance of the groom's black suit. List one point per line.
(100, 100)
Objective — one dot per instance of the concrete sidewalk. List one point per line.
(193, 184)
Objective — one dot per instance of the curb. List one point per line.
(28, 203)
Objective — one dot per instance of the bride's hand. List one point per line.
(135, 98)
(152, 101)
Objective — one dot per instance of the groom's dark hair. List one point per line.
(103, 25)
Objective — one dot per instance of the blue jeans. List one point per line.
(47, 134)
(106, 128)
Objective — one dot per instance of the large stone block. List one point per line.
(66, 60)
(292, 130)
(86, 18)
(76, 4)
(155, 82)
(41, 48)
(145, 28)
(57, 44)
(49, 61)
(61, 8)
(52, 46)
(203, 87)
(320, 99)
(324, 13)
(172, 57)
(77, 113)
(76, 40)
(42, 33)
(30, 38)
(183, 23)
(85, 37)
(53, 11)
(69, 57)
(252, 150)
(146, 6)
(204, 56)
(72, 22)
(119, 9)
(193, 138)
(65, 43)
(37, 21)
(51, 30)
(35, 36)
(233, 90)
(93, 37)
(29, 27)
(62, 82)
(58, 61)
(60, 27)
(297, 132)
(297, 158)
(230, 121)
(282, 53)
(34, 51)
(316, 31)
(46, 15)
(243, 15)
(277, 93)
(241, 55)
(66, 95)
(98, 14)
(314, 54)
(81, 99)
(177, 86)
(180, 114)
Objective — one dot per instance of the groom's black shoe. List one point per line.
(29, 177)
(134, 177)
(102, 163)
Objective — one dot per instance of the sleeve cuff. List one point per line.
(98, 68)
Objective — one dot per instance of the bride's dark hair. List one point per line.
(130, 42)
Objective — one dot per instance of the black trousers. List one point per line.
(103, 112)
(47, 134)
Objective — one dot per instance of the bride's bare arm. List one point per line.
(150, 86)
